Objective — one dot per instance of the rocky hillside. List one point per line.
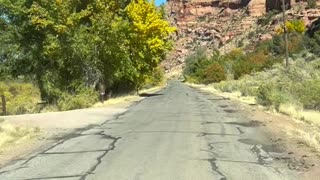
(226, 24)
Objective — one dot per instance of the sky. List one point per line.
(158, 2)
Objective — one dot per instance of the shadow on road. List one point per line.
(149, 94)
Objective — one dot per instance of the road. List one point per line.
(177, 134)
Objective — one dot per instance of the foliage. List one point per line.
(213, 73)
(20, 97)
(148, 38)
(276, 46)
(312, 3)
(156, 78)
(83, 98)
(277, 86)
(270, 95)
(297, 26)
(193, 61)
(202, 69)
(310, 96)
(197, 67)
(313, 43)
(296, 29)
(294, 26)
(62, 45)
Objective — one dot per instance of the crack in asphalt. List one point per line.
(99, 159)
(215, 168)
(75, 134)
(202, 134)
(55, 177)
(73, 152)
(240, 130)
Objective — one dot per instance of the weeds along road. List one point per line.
(177, 134)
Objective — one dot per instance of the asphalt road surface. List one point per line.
(177, 134)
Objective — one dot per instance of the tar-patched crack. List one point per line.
(111, 148)
(215, 168)
(240, 130)
(263, 157)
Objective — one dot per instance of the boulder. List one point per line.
(257, 7)
(265, 37)
(314, 27)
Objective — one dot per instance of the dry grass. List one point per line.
(11, 134)
(232, 95)
(310, 116)
(310, 138)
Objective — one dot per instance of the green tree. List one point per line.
(66, 45)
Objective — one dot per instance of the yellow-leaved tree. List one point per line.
(294, 26)
(148, 39)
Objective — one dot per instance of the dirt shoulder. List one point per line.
(24, 135)
(295, 137)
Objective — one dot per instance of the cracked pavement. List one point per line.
(177, 134)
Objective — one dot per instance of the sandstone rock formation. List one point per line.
(257, 7)
(225, 25)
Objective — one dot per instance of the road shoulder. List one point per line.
(292, 136)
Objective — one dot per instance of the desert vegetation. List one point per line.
(258, 71)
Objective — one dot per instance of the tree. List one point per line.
(148, 38)
(65, 45)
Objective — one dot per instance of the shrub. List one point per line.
(309, 94)
(21, 98)
(300, 85)
(296, 26)
(296, 44)
(155, 79)
(82, 98)
(312, 3)
(270, 95)
(193, 62)
(313, 43)
(241, 68)
(234, 55)
(213, 73)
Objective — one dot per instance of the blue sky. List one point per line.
(158, 2)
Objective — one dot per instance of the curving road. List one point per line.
(177, 134)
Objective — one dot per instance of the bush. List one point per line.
(296, 44)
(82, 98)
(233, 65)
(270, 95)
(21, 98)
(213, 73)
(313, 43)
(241, 68)
(155, 79)
(296, 26)
(309, 94)
(193, 62)
(312, 3)
(300, 85)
